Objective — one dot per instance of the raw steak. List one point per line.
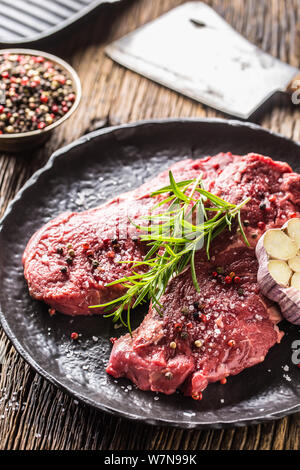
(205, 337)
(217, 333)
(100, 238)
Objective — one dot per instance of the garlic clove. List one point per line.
(278, 245)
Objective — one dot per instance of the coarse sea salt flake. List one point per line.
(287, 377)
(188, 414)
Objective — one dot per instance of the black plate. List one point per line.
(83, 175)
(24, 21)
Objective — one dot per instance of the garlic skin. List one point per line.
(287, 297)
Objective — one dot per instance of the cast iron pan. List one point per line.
(83, 175)
(24, 21)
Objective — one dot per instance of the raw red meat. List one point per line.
(110, 238)
(217, 333)
(239, 324)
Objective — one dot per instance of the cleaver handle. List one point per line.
(294, 85)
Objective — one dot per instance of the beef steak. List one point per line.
(217, 332)
(202, 337)
(206, 337)
(100, 238)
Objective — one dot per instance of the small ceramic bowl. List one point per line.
(26, 140)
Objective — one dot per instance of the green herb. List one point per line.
(173, 238)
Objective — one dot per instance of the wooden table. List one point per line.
(35, 414)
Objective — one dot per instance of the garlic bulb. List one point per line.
(278, 274)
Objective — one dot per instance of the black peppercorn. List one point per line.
(184, 335)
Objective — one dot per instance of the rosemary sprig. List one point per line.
(173, 238)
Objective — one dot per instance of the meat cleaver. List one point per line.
(192, 50)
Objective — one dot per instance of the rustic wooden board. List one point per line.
(34, 414)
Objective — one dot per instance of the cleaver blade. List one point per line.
(194, 51)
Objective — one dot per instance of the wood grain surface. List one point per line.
(35, 414)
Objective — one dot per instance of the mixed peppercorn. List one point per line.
(230, 278)
(69, 255)
(34, 93)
